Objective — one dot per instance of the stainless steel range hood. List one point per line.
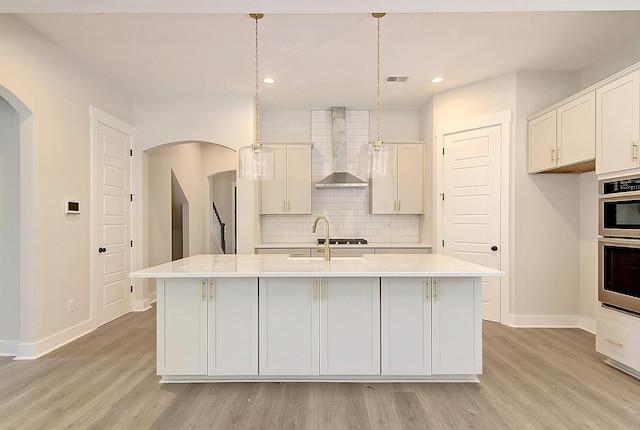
(340, 178)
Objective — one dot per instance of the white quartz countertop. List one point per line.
(281, 265)
(368, 245)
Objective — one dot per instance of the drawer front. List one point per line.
(619, 343)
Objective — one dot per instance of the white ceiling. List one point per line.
(324, 59)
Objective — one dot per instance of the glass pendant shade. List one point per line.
(376, 160)
(256, 162)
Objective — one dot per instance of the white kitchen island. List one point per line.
(382, 317)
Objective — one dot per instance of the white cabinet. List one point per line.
(406, 326)
(207, 326)
(350, 326)
(563, 140)
(457, 326)
(182, 327)
(289, 326)
(400, 193)
(311, 326)
(542, 142)
(618, 124)
(431, 326)
(232, 326)
(290, 190)
(618, 337)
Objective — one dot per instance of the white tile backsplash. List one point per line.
(346, 209)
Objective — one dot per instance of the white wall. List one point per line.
(545, 210)
(58, 91)
(225, 120)
(617, 60)
(588, 250)
(9, 227)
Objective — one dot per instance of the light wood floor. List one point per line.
(533, 379)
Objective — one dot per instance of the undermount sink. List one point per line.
(322, 258)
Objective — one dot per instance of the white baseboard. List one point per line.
(588, 324)
(31, 351)
(153, 296)
(8, 347)
(141, 305)
(547, 321)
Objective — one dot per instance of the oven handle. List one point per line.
(631, 243)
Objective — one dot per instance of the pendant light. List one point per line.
(376, 159)
(256, 161)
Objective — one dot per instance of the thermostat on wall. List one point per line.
(72, 207)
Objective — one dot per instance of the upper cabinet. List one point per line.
(400, 193)
(618, 118)
(563, 140)
(290, 191)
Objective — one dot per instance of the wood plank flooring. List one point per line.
(533, 379)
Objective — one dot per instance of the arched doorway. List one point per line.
(185, 167)
(16, 224)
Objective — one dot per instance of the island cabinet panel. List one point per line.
(457, 326)
(289, 326)
(406, 326)
(350, 326)
(182, 327)
(232, 326)
(207, 326)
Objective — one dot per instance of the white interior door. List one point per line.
(471, 227)
(113, 223)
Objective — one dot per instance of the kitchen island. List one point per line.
(381, 317)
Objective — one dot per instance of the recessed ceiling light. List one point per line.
(268, 80)
(437, 79)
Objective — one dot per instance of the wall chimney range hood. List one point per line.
(340, 178)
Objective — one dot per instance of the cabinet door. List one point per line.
(182, 327)
(289, 326)
(406, 326)
(233, 326)
(299, 179)
(410, 176)
(383, 198)
(350, 326)
(618, 124)
(274, 191)
(542, 142)
(577, 131)
(457, 326)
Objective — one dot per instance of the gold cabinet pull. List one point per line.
(613, 342)
(323, 288)
(315, 291)
(203, 290)
(553, 153)
(634, 150)
(427, 286)
(558, 154)
(212, 286)
(435, 290)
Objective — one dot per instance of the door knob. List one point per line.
(494, 248)
(101, 250)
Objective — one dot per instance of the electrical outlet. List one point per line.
(387, 226)
(279, 226)
(70, 306)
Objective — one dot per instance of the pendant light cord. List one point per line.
(257, 99)
(378, 95)
(256, 145)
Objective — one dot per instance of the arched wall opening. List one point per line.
(16, 223)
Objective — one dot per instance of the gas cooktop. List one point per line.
(343, 241)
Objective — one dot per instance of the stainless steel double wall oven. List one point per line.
(619, 243)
